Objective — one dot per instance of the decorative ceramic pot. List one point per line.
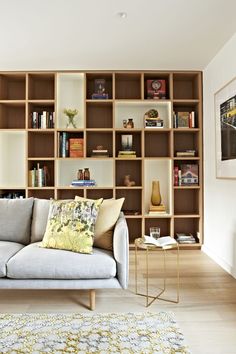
(156, 195)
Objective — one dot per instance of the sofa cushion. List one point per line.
(7, 250)
(15, 220)
(71, 225)
(40, 218)
(35, 262)
(108, 215)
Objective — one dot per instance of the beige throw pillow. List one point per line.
(107, 216)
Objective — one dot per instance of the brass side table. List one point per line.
(139, 244)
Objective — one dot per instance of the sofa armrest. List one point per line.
(121, 250)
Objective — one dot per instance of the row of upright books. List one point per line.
(186, 175)
(184, 119)
(42, 120)
(39, 176)
(70, 147)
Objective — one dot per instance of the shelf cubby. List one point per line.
(49, 164)
(90, 84)
(186, 201)
(100, 169)
(12, 193)
(41, 86)
(12, 159)
(103, 138)
(93, 193)
(132, 167)
(157, 143)
(157, 76)
(12, 86)
(128, 86)
(70, 95)
(163, 223)
(187, 106)
(12, 115)
(187, 225)
(135, 228)
(63, 142)
(185, 86)
(133, 200)
(186, 140)
(39, 107)
(70, 193)
(137, 109)
(41, 193)
(40, 144)
(158, 169)
(99, 114)
(136, 141)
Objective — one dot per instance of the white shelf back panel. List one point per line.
(136, 111)
(12, 159)
(158, 170)
(70, 95)
(100, 170)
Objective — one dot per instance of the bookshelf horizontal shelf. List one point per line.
(158, 216)
(187, 187)
(176, 216)
(127, 188)
(186, 158)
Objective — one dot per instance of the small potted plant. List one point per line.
(70, 113)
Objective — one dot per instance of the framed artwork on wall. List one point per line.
(225, 123)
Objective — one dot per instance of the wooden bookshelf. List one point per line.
(100, 122)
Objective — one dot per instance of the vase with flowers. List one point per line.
(71, 113)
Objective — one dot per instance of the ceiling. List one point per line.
(85, 35)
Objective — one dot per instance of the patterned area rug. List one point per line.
(116, 333)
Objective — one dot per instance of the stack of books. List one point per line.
(185, 238)
(127, 154)
(100, 153)
(83, 183)
(153, 122)
(186, 153)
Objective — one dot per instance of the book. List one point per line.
(76, 147)
(183, 119)
(161, 241)
(156, 89)
(189, 174)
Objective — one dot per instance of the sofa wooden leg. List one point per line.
(92, 297)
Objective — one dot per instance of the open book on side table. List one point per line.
(160, 242)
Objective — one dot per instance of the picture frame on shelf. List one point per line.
(225, 130)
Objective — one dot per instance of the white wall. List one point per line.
(220, 194)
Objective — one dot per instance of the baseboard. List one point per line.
(227, 267)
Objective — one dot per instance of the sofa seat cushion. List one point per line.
(35, 262)
(7, 250)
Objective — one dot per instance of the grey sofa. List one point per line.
(25, 265)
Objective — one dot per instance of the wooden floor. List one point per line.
(206, 312)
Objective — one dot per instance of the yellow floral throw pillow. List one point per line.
(71, 225)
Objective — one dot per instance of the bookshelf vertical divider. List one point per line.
(26, 95)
